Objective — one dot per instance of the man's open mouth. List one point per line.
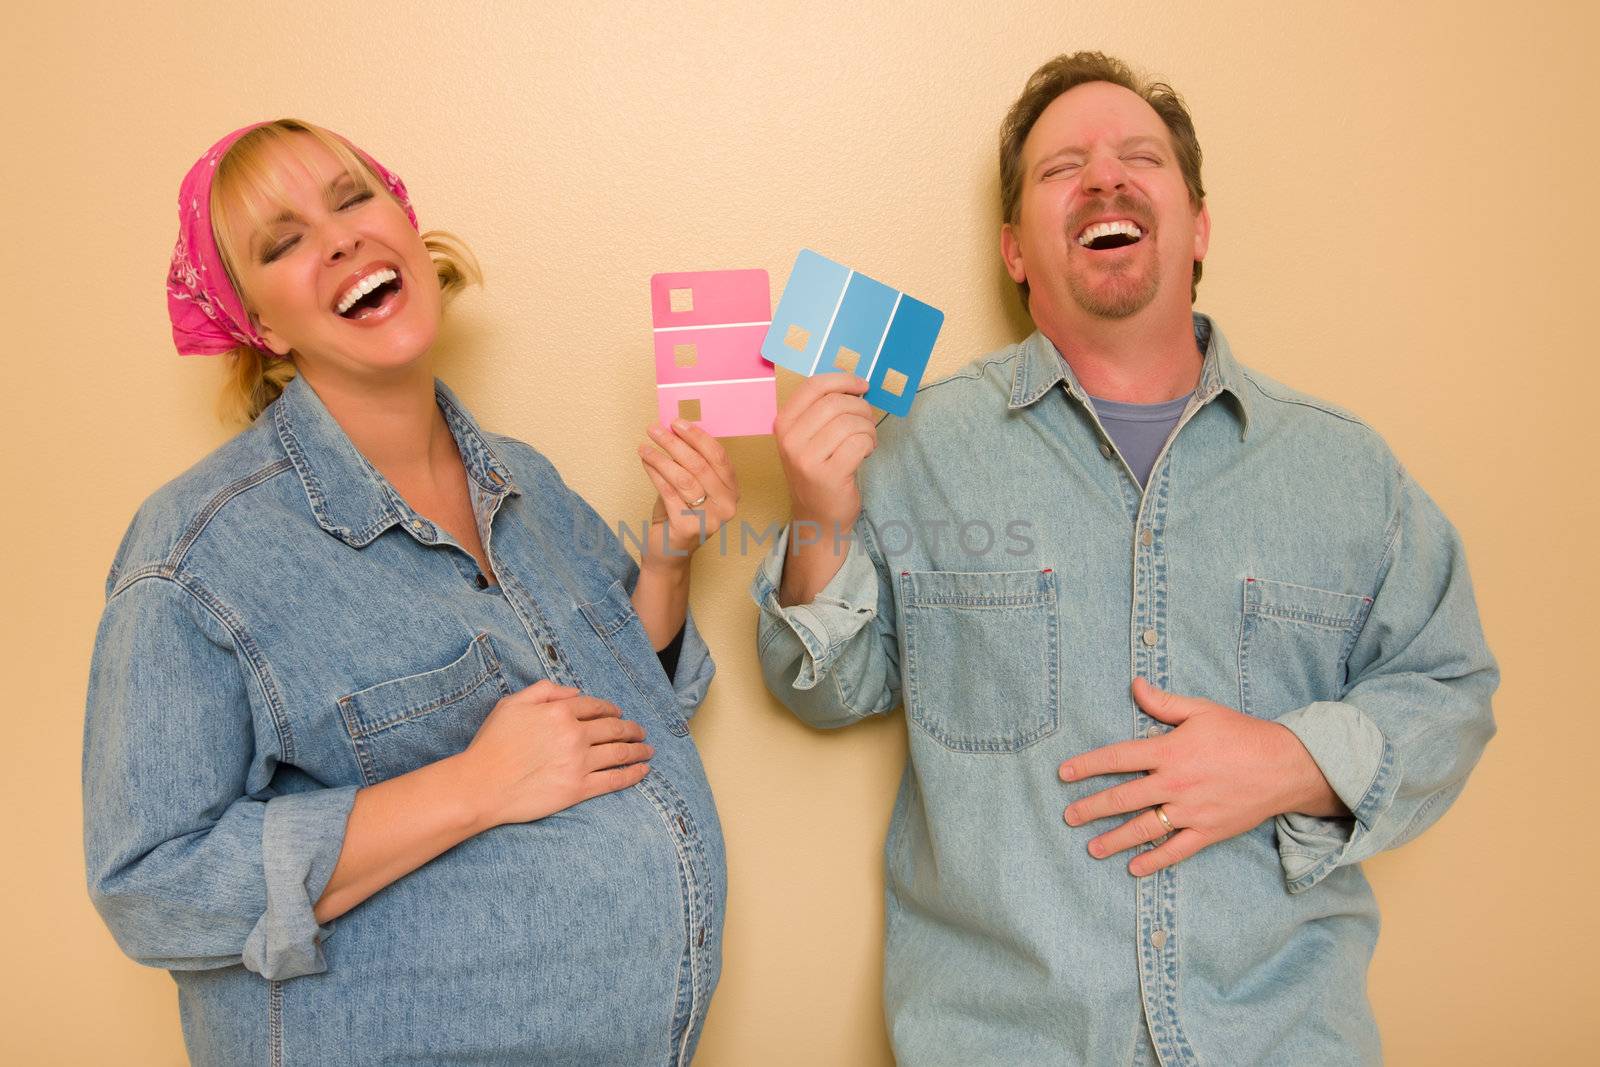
(369, 294)
(1118, 233)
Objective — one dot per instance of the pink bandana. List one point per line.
(208, 317)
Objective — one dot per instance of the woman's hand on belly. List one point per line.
(540, 751)
(546, 748)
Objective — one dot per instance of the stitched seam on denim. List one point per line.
(486, 459)
(1244, 644)
(985, 745)
(1353, 634)
(242, 641)
(198, 524)
(487, 665)
(1419, 817)
(275, 1023)
(765, 636)
(676, 723)
(856, 713)
(1264, 603)
(1365, 812)
(702, 901)
(966, 374)
(1305, 618)
(509, 446)
(607, 623)
(1336, 857)
(665, 806)
(315, 495)
(683, 887)
(1314, 405)
(1180, 1038)
(999, 602)
(308, 480)
(815, 660)
(1025, 393)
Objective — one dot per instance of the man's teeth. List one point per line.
(365, 286)
(1106, 229)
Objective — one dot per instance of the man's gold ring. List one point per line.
(1162, 815)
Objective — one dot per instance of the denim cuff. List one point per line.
(695, 669)
(836, 614)
(1360, 766)
(302, 835)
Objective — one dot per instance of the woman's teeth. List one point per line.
(365, 286)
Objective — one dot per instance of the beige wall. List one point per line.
(1404, 222)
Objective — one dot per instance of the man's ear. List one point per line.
(1202, 233)
(1011, 252)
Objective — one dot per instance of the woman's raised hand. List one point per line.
(546, 748)
(697, 492)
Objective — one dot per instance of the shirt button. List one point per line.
(1159, 939)
(700, 942)
(550, 653)
(1146, 537)
(1150, 637)
(416, 524)
(1105, 450)
(1152, 731)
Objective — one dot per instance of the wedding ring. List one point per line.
(697, 501)
(1162, 815)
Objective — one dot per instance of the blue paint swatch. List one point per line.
(905, 351)
(805, 312)
(831, 318)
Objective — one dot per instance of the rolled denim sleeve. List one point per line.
(193, 860)
(1415, 715)
(692, 678)
(836, 659)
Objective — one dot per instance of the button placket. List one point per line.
(1155, 895)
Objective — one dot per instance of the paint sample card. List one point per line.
(708, 331)
(831, 318)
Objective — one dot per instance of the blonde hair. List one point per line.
(246, 185)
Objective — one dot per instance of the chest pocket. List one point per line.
(981, 657)
(619, 628)
(405, 723)
(1294, 644)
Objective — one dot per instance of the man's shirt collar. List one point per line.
(1042, 366)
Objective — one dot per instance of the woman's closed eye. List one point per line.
(289, 242)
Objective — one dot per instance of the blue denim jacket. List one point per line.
(282, 629)
(1280, 562)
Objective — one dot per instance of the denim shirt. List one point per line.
(281, 629)
(1007, 581)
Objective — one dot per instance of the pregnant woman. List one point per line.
(385, 755)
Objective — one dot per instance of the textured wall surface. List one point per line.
(1404, 222)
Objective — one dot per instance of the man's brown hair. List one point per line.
(1066, 72)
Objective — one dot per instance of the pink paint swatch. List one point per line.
(709, 326)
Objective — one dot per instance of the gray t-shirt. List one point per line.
(1140, 430)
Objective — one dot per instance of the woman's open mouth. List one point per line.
(374, 296)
